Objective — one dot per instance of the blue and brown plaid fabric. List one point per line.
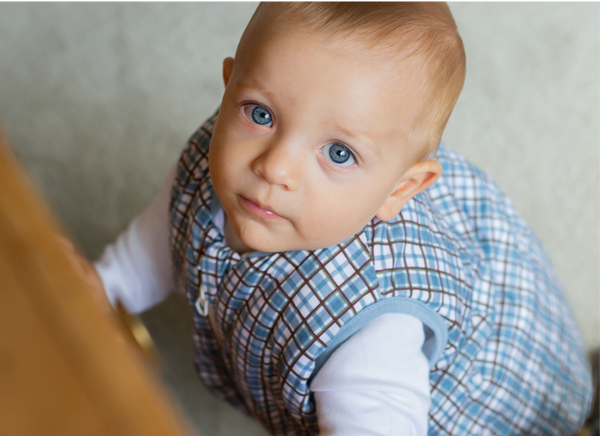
(508, 358)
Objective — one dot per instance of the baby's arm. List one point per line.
(136, 268)
(377, 382)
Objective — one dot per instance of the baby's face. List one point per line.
(309, 142)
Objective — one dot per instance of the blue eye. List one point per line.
(259, 115)
(339, 154)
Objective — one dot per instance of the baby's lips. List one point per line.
(258, 209)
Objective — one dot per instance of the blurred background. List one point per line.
(99, 99)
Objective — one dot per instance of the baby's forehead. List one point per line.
(370, 46)
(397, 62)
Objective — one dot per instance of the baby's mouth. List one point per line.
(258, 209)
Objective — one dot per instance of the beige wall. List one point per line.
(98, 99)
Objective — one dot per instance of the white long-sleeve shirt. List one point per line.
(375, 383)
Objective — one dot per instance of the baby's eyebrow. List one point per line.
(362, 138)
(252, 84)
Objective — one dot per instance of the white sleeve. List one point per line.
(377, 382)
(136, 268)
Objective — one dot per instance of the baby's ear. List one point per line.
(227, 68)
(418, 178)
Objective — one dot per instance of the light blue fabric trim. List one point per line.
(431, 321)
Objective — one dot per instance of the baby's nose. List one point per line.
(280, 164)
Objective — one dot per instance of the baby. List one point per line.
(346, 275)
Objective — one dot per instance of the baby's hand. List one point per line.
(86, 271)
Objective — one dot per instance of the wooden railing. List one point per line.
(66, 366)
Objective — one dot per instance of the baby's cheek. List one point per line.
(329, 230)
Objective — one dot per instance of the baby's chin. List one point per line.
(267, 246)
(249, 236)
(280, 244)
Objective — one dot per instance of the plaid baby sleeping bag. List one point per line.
(506, 357)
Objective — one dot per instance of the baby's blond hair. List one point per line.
(422, 33)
